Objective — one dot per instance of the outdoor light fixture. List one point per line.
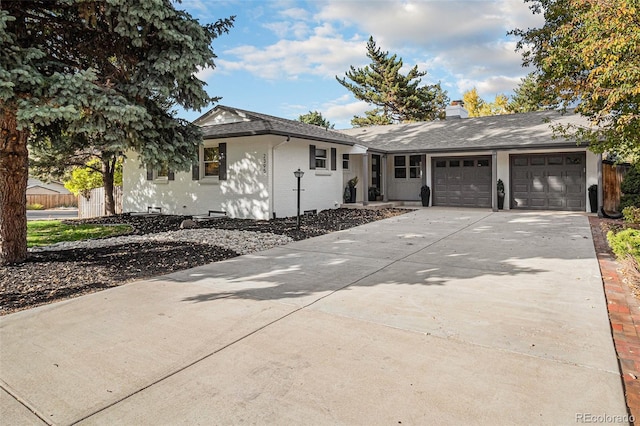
(298, 174)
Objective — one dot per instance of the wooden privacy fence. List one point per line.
(612, 175)
(94, 205)
(50, 201)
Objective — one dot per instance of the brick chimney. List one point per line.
(456, 110)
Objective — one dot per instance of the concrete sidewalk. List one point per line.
(439, 316)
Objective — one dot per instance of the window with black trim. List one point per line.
(415, 166)
(400, 166)
(345, 161)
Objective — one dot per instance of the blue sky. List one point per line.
(282, 56)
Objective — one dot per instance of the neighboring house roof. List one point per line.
(225, 122)
(524, 130)
(50, 186)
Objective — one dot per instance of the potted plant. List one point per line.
(374, 193)
(593, 198)
(350, 190)
(500, 186)
(425, 195)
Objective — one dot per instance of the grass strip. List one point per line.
(47, 232)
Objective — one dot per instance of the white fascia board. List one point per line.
(357, 149)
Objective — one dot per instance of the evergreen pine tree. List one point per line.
(398, 98)
(95, 76)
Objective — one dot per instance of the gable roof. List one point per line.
(51, 186)
(225, 122)
(524, 130)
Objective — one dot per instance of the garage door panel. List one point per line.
(520, 174)
(537, 202)
(462, 181)
(556, 203)
(575, 204)
(549, 181)
(574, 189)
(520, 188)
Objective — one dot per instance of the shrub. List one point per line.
(631, 182)
(625, 243)
(35, 206)
(629, 200)
(631, 214)
(630, 188)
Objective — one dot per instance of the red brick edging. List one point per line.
(624, 316)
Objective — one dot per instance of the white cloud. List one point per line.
(466, 40)
(341, 114)
(460, 43)
(319, 55)
(296, 13)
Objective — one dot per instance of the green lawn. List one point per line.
(46, 232)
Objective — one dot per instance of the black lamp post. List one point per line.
(298, 174)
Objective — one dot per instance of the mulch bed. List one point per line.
(50, 276)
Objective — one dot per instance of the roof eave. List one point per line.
(476, 148)
(276, 133)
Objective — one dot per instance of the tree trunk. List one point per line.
(14, 173)
(109, 167)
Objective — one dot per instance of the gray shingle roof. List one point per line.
(526, 130)
(263, 124)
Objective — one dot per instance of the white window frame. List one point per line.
(203, 178)
(203, 163)
(321, 161)
(417, 168)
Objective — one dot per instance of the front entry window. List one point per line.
(400, 166)
(414, 164)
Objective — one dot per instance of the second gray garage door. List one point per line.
(462, 181)
(549, 181)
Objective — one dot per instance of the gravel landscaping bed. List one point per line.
(156, 246)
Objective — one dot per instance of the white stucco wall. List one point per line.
(321, 189)
(255, 164)
(244, 194)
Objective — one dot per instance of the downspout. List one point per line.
(494, 183)
(273, 174)
(365, 179)
(385, 192)
(600, 188)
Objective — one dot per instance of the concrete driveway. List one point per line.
(440, 316)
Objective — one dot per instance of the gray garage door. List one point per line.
(462, 181)
(549, 181)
